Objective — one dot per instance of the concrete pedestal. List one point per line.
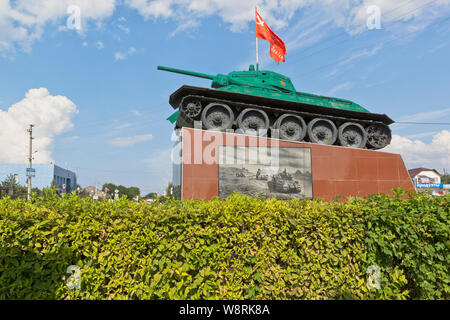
(336, 171)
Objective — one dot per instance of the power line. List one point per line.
(296, 61)
(388, 41)
(432, 123)
(345, 33)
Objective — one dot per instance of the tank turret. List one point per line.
(264, 101)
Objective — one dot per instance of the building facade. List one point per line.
(425, 179)
(44, 176)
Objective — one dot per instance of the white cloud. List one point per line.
(119, 56)
(51, 115)
(123, 28)
(130, 141)
(124, 126)
(23, 21)
(343, 86)
(356, 55)
(71, 139)
(100, 45)
(136, 113)
(124, 55)
(349, 14)
(416, 153)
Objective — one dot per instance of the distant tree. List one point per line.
(150, 195)
(110, 187)
(12, 188)
(445, 179)
(10, 182)
(131, 192)
(169, 189)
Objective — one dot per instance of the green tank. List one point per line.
(266, 103)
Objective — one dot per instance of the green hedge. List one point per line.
(239, 248)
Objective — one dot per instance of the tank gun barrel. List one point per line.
(188, 73)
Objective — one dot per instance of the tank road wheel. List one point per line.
(291, 126)
(352, 135)
(378, 136)
(191, 108)
(217, 116)
(253, 122)
(322, 131)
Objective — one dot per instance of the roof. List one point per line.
(415, 172)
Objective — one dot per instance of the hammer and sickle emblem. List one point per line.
(260, 22)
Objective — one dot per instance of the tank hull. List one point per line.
(279, 105)
(274, 108)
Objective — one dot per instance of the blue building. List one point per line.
(45, 175)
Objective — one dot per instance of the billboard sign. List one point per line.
(31, 172)
(429, 186)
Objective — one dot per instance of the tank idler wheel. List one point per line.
(352, 135)
(322, 131)
(191, 108)
(291, 127)
(217, 117)
(253, 122)
(378, 136)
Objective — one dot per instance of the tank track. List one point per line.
(273, 110)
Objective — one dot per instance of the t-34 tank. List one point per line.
(257, 101)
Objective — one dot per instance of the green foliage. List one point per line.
(238, 248)
(445, 179)
(130, 193)
(151, 195)
(10, 182)
(10, 188)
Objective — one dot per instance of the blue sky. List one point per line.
(104, 111)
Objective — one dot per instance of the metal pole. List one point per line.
(257, 56)
(30, 161)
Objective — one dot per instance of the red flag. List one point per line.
(277, 47)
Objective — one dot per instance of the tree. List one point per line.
(10, 182)
(169, 189)
(12, 188)
(150, 195)
(445, 179)
(131, 192)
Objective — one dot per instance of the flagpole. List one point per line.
(257, 58)
(257, 55)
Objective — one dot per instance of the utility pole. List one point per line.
(30, 161)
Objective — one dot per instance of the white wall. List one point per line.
(433, 176)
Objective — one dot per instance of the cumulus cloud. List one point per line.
(130, 141)
(23, 21)
(349, 14)
(416, 153)
(51, 115)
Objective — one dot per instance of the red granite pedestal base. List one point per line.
(336, 171)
